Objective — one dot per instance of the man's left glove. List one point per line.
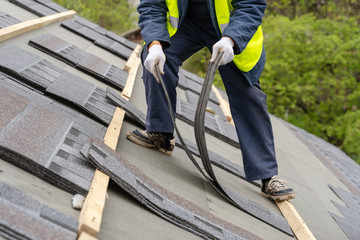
(156, 56)
(225, 44)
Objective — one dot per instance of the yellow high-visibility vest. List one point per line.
(248, 58)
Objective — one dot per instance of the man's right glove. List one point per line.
(155, 56)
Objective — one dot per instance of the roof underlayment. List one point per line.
(59, 88)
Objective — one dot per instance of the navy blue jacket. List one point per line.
(244, 21)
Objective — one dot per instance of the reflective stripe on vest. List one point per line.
(172, 16)
(248, 58)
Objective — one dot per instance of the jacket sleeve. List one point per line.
(152, 21)
(244, 21)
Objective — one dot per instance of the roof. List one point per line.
(60, 85)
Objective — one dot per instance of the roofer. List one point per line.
(173, 30)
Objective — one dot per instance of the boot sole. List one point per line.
(279, 198)
(138, 141)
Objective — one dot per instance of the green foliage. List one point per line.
(114, 15)
(312, 76)
(347, 127)
(320, 8)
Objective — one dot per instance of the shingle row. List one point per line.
(101, 37)
(39, 7)
(35, 71)
(105, 32)
(45, 138)
(22, 217)
(7, 20)
(80, 59)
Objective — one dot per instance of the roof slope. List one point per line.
(59, 74)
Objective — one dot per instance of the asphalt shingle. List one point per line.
(7, 20)
(22, 217)
(92, 33)
(44, 140)
(40, 73)
(34, 7)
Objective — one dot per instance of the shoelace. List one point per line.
(277, 184)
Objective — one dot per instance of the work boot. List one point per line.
(158, 141)
(277, 190)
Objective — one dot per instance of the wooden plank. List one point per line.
(133, 56)
(113, 131)
(224, 105)
(85, 236)
(126, 92)
(23, 27)
(297, 224)
(289, 212)
(91, 214)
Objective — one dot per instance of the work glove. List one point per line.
(225, 44)
(155, 57)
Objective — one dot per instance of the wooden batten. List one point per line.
(23, 27)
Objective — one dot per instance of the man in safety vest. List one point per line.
(173, 30)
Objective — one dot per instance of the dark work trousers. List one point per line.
(248, 104)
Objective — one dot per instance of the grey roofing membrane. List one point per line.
(343, 163)
(7, 20)
(22, 217)
(45, 141)
(40, 73)
(350, 223)
(87, 62)
(169, 206)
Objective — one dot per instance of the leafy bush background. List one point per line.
(312, 76)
